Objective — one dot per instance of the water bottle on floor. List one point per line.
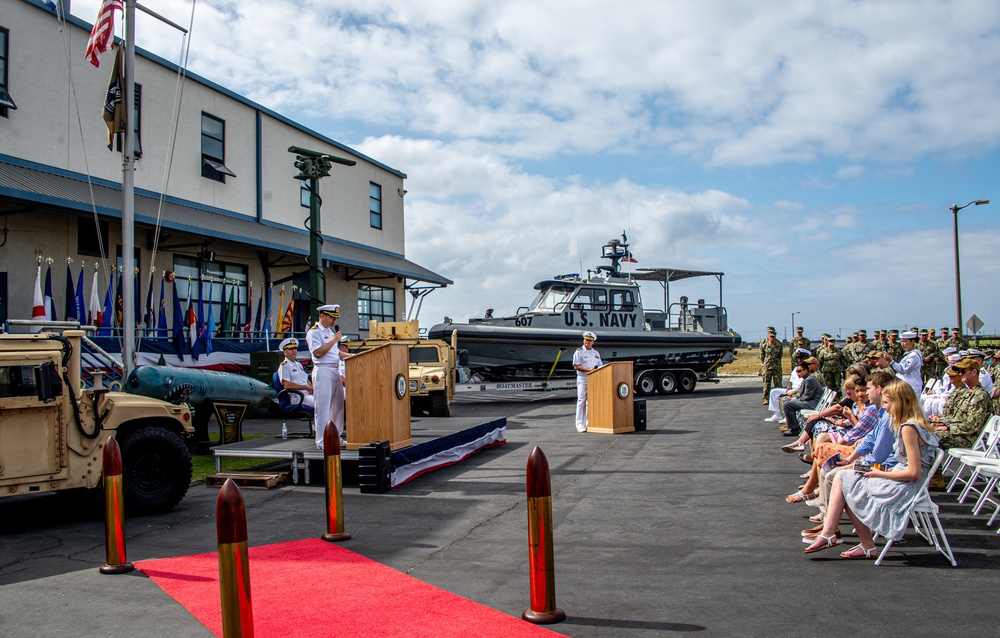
(284, 430)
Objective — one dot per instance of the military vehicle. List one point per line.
(432, 364)
(53, 429)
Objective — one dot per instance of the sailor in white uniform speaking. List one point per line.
(584, 360)
(328, 388)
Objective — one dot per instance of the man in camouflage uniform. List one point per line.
(798, 341)
(962, 426)
(831, 364)
(770, 363)
(878, 361)
(879, 340)
(933, 360)
(956, 340)
(863, 346)
(943, 339)
(893, 348)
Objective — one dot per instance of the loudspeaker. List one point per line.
(639, 415)
(375, 468)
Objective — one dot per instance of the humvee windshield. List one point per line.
(424, 355)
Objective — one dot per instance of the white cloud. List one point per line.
(743, 85)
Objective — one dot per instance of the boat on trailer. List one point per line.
(671, 349)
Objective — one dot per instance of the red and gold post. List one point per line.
(334, 487)
(234, 563)
(541, 570)
(114, 511)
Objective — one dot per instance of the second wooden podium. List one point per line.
(609, 399)
(378, 397)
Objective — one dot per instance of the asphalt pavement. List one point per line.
(681, 528)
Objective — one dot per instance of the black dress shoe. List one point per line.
(791, 433)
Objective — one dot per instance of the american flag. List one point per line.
(103, 29)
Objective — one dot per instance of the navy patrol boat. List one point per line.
(671, 349)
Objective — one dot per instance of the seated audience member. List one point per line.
(832, 417)
(961, 426)
(876, 500)
(292, 375)
(875, 447)
(827, 444)
(774, 397)
(934, 400)
(807, 398)
(985, 376)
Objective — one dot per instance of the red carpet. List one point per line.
(314, 588)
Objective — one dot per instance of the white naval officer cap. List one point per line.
(589, 336)
(976, 352)
(953, 358)
(291, 342)
(949, 350)
(909, 334)
(331, 309)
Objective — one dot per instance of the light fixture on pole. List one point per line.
(791, 328)
(958, 277)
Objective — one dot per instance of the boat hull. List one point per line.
(516, 352)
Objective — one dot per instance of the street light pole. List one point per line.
(958, 277)
(791, 328)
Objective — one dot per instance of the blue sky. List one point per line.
(811, 151)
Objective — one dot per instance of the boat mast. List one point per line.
(128, 196)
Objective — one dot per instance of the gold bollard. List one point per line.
(234, 564)
(541, 570)
(114, 511)
(334, 487)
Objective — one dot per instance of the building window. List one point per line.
(91, 238)
(375, 204)
(375, 302)
(5, 100)
(213, 149)
(304, 192)
(221, 283)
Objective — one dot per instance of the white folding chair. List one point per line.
(923, 513)
(986, 446)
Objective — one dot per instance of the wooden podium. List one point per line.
(609, 399)
(378, 397)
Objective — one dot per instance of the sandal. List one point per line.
(808, 538)
(806, 458)
(799, 497)
(816, 518)
(865, 553)
(793, 447)
(812, 530)
(827, 541)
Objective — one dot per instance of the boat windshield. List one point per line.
(552, 299)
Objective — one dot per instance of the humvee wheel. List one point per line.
(156, 469)
(439, 405)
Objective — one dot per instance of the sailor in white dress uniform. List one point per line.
(585, 359)
(910, 367)
(327, 385)
(292, 375)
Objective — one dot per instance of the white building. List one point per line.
(231, 210)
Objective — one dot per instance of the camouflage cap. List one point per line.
(799, 328)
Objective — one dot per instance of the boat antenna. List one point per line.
(579, 252)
